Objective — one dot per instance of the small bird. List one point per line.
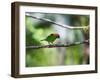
(51, 38)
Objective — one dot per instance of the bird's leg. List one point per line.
(49, 43)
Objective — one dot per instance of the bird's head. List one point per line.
(55, 34)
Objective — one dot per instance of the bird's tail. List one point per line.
(42, 40)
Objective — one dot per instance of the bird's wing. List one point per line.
(50, 38)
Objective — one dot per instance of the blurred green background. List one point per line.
(36, 30)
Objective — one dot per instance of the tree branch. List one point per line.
(61, 25)
(56, 45)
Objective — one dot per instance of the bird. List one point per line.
(51, 38)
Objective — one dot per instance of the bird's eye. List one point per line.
(51, 34)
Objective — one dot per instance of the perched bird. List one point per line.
(51, 38)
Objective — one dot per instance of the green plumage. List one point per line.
(51, 38)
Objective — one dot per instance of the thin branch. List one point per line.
(61, 25)
(56, 45)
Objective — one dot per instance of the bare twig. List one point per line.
(56, 45)
(61, 25)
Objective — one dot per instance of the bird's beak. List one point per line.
(58, 36)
